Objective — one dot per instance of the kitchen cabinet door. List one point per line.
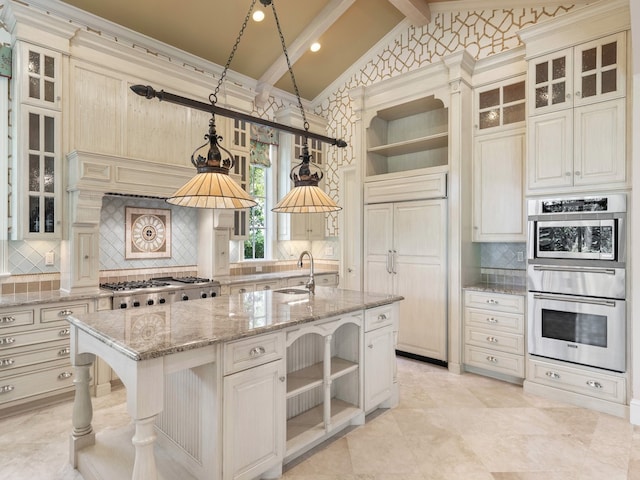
(419, 275)
(379, 361)
(254, 419)
(378, 244)
(550, 161)
(498, 188)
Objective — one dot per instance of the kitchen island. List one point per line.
(232, 387)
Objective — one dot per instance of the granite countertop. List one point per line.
(258, 277)
(498, 288)
(51, 296)
(156, 331)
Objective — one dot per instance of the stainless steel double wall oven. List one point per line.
(576, 280)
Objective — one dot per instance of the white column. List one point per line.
(4, 187)
(144, 466)
(82, 434)
(634, 219)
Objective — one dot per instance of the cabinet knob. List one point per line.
(577, 173)
(578, 94)
(64, 332)
(283, 378)
(568, 96)
(257, 351)
(492, 320)
(382, 317)
(553, 375)
(64, 352)
(594, 384)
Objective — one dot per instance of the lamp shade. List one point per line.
(306, 199)
(212, 190)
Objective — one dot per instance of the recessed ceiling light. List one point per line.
(315, 46)
(258, 15)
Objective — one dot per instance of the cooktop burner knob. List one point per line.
(203, 295)
(185, 297)
(150, 302)
(162, 300)
(123, 305)
(214, 294)
(136, 303)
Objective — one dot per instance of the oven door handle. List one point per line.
(562, 298)
(552, 268)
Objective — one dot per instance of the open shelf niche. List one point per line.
(408, 136)
(323, 384)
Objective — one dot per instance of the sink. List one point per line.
(291, 291)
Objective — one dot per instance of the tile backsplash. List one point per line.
(503, 255)
(184, 241)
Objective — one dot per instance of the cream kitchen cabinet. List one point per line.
(577, 117)
(37, 172)
(254, 286)
(405, 254)
(500, 105)
(323, 380)
(494, 334)
(34, 352)
(498, 187)
(380, 375)
(254, 407)
(321, 279)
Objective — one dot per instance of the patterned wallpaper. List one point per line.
(481, 33)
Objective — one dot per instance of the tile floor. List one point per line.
(446, 427)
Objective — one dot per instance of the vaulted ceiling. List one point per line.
(346, 29)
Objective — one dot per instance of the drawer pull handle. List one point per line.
(257, 351)
(64, 352)
(64, 313)
(65, 375)
(242, 290)
(7, 340)
(382, 317)
(492, 359)
(492, 320)
(65, 332)
(492, 301)
(8, 319)
(6, 388)
(267, 287)
(553, 375)
(492, 340)
(594, 384)
(6, 362)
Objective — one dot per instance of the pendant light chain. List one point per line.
(286, 55)
(214, 96)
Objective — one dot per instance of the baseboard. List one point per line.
(421, 358)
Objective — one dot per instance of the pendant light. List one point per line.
(212, 187)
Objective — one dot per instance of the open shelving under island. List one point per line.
(232, 387)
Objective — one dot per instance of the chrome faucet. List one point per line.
(311, 284)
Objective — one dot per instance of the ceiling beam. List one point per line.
(323, 21)
(417, 11)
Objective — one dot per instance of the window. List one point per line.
(254, 246)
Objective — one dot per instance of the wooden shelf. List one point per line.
(340, 367)
(437, 140)
(311, 377)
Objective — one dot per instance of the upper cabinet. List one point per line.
(577, 100)
(500, 105)
(36, 168)
(588, 73)
(408, 136)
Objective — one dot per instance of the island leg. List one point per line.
(82, 434)
(144, 466)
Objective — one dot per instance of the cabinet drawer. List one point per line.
(235, 289)
(327, 280)
(16, 318)
(272, 285)
(35, 383)
(494, 301)
(295, 281)
(494, 321)
(500, 362)
(378, 317)
(504, 342)
(20, 358)
(33, 337)
(253, 351)
(602, 386)
(60, 312)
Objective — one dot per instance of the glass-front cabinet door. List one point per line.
(40, 76)
(500, 105)
(551, 81)
(599, 72)
(38, 167)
